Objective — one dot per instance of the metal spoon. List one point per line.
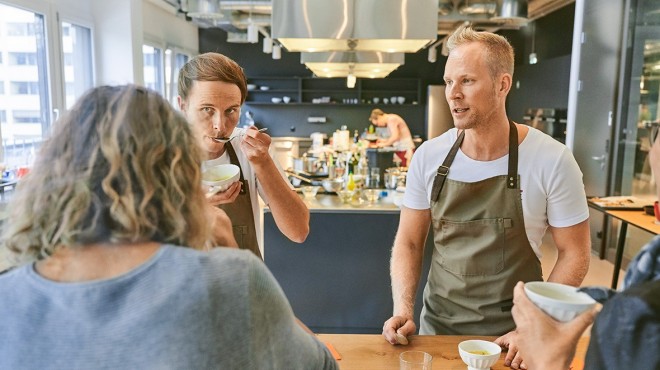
(228, 139)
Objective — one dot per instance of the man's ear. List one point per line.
(181, 102)
(505, 83)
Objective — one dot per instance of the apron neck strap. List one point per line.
(233, 159)
(512, 177)
(443, 170)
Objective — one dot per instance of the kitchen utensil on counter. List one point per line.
(372, 195)
(276, 100)
(479, 354)
(333, 185)
(227, 139)
(310, 191)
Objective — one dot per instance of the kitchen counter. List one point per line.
(330, 203)
(338, 280)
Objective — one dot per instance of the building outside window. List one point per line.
(20, 28)
(22, 59)
(77, 56)
(24, 87)
(153, 68)
(26, 116)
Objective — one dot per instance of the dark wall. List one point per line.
(542, 85)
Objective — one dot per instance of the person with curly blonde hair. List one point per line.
(108, 234)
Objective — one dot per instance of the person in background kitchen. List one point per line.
(111, 272)
(400, 137)
(212, 89)
(490, 188)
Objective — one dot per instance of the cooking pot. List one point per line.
(310, 165)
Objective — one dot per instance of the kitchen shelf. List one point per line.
(303, 90)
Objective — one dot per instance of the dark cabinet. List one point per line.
(329, 91)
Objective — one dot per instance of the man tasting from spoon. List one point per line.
(212, 89)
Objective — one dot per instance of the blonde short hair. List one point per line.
(121, 166)
(499, 52)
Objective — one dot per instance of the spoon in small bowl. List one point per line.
(228, 139)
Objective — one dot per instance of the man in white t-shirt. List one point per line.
(490, 188)
(212, 89)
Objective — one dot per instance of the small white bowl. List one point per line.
(286, 99)
(562, 302)
(276, 100)
(220, 177)
(479, 354)
(401, 99)
(264, 88)
(309, 191)
(251, 86)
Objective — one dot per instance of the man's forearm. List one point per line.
(405, 270)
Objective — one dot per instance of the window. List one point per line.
(174, 61)
(26, 116)
(2, 87)
(21, 59)
(77, 56)
(153, 68)
(24, 88)
(21, 29)
(1, 58)
(3, 116)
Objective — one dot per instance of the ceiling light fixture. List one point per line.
(351, 79)
(268, 45)
(277, 51)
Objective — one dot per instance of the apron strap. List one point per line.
(443, 170)
(512, 177)
(233, 159)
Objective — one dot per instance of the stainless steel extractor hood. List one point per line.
(359, 25)
(362, 64)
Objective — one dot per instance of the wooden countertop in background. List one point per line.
(368, 351)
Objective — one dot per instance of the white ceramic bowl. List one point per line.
(276, 100)
(562, 302)
(401, 99)
(251, 86)
(286, 99)
(479, 354)
(220, 177)
(264, 88)
(309, 191)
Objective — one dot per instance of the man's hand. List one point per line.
(227, 196)
(509, 341)
(397, 327)
(255, 145)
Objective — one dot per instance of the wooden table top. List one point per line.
(371, 351)
(636, 218)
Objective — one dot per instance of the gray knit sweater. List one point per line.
(182, 309)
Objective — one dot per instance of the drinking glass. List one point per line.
(415, 360)
(374, 178)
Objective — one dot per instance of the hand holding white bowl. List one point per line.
(219, 178)
(562, 302)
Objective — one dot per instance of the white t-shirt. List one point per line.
(550, 180)
(253, 184)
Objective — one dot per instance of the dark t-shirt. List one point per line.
(626, 334)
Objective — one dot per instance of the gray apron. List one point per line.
(481, 251)
(240, 212)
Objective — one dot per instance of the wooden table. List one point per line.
(372, 352)
(633, 217)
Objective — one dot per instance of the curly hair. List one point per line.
(211, 67)
(121, 166)
(499, 53)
